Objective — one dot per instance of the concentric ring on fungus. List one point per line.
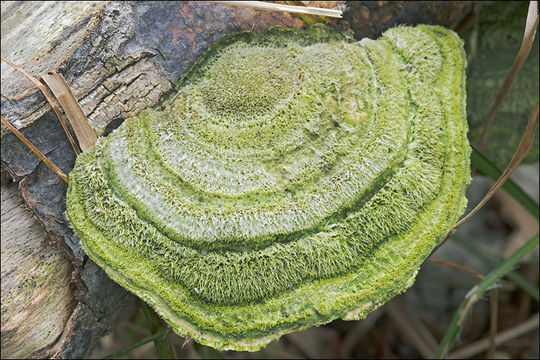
(294, 177)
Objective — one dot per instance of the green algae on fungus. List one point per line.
(294, 177)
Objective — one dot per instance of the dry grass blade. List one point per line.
(84, 133)
(411, 328)
(351, 340)
(457, 266)
(525, 49)
(504, 336)
(522, 150)
(35, 150)
(186, 340)
(261, 5)
(50, 100)
(308, 18)
(493, 313)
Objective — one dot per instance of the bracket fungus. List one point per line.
(294, 177)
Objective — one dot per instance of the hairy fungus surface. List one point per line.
(295, 177)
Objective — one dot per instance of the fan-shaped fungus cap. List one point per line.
(295, 177)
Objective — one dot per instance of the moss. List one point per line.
(295, 177)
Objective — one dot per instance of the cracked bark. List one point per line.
(118, 58)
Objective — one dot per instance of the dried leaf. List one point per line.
(61, 90)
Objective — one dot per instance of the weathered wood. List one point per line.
(37, 295)
(42, 314)
(39, 36)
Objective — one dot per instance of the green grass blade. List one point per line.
(161, 344)
(476, 293)
(486, 167)
(160, 334)
(514, 276)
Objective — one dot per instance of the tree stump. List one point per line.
(118, 58)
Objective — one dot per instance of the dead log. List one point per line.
(37, 296)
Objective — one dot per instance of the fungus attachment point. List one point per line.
(247, 207)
